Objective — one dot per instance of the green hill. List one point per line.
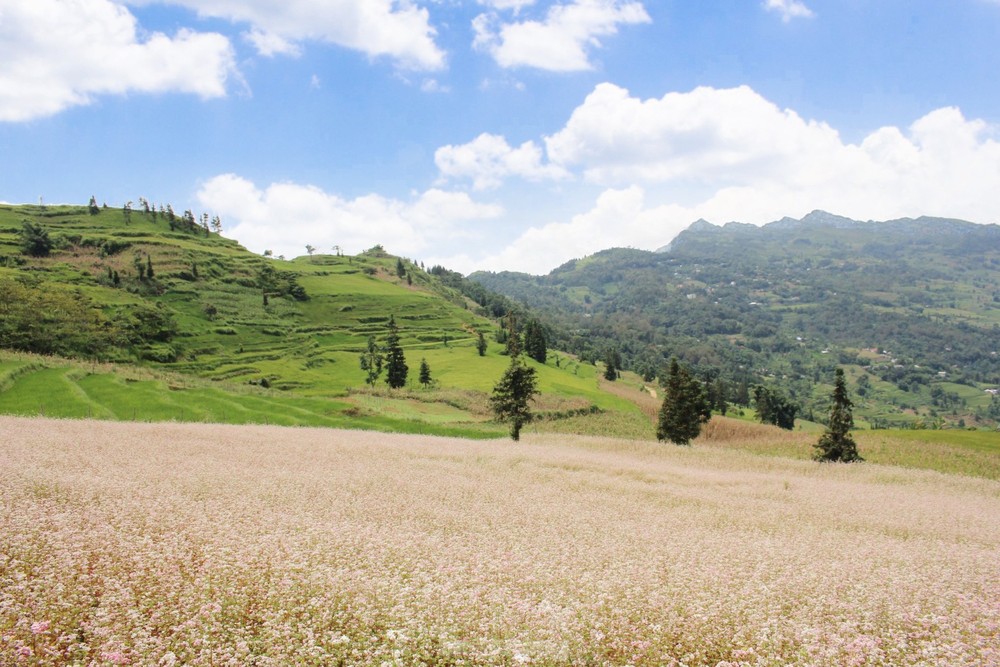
(911, 308)
(153, 315)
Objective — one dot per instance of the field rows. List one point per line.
(223, 545)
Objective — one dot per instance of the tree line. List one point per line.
(686, 408)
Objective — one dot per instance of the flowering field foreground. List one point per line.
(173, 544)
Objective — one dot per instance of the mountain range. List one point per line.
(911, 307)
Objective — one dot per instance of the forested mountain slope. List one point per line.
(912, 306)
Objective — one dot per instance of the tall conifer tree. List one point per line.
(684, 407)
(395, 361)
(512, 394)
(836, 444)
(371, 362)
(425, 373)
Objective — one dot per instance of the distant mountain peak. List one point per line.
(819, 217)
(816, 218)
(702, 225)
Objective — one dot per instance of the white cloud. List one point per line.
(270, 44)
(284, 217)
(58, 55)
(729, 155)
(618, 218)
(398, 29)
(561, 42)
(789, 9)
(708, 133)
(489, 159)
(514, 5)
(434, 86)
(756, 160)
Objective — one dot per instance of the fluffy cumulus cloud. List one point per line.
(722, 135)
(284, 217)
(730, 154)
(488, 159)
(788, 9)
(397, 29)
(59, 54)
(562, 40)
(759, 160)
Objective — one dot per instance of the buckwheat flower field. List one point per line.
(180, 544)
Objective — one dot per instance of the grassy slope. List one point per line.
(307, 350)
(971, 453)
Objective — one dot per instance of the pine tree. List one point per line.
(92, 207)
(836, 444)
(371, 362)
(534, 341)
(612, 364)
(721, 390)
(395, 361)
(774, 408)
(425, 373)
(481, 344)
(512, 337)
(512, 394)
(34, 240)
(684, 407)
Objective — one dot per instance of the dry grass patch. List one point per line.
(219, 545)
(933, 450)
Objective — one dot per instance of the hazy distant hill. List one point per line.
(913, 305)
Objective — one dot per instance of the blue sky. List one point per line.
(502, 134)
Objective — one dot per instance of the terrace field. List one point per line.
(169, 544)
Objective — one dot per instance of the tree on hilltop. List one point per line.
(836, 444)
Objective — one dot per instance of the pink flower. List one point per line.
(38, 627)
(24, 652)
(115, 657)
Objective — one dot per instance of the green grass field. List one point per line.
(31, 385)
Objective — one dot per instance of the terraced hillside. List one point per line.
(225, 335)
